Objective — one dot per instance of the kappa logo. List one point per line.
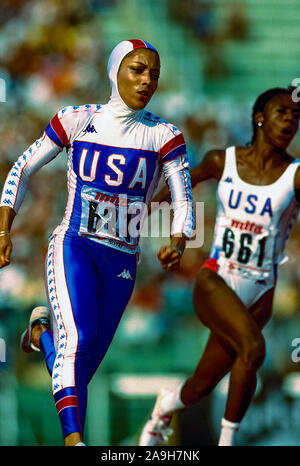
(90, 129)
(125, 274)
(228, 180)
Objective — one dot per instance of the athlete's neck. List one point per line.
(265, 155)
(120, 109)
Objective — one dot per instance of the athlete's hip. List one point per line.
(249, 288)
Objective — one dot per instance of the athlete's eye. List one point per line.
(137, 69)
(155, 76)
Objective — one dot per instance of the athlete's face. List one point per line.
(138, 77)
(280, 120)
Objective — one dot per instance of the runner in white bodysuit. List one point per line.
(258, 198)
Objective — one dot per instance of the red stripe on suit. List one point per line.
(171, 145)
(58, 128)
(67, 402)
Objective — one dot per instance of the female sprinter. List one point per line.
(258, 193)
(116, 154)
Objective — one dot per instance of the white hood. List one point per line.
(119, 52)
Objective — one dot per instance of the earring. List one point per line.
(259, 123)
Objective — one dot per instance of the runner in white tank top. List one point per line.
(252, 225)
(257, 194)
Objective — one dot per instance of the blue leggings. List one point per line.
(88, 287)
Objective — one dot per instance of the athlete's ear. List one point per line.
(259, 118)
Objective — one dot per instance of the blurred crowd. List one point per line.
(51, 57)
(213, 27)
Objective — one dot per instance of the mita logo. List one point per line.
(249, 204)
(246, 226)
(115, 199)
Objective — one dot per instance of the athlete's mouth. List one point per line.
(143, 94)
(288, 131)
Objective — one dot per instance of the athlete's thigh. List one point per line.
(116, 278)
(72, 287)
(222, 311)
(262, 309)
(218, 357)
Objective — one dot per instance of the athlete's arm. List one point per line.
(37, 155)
(57, 135)
(297, 184)
(211, 166)
(177, 176)
(7, 215)
(170, 256)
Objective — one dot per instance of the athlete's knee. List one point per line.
(254, 351)
(80, 345)
(87, 344)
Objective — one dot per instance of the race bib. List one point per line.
(246, 250)
(113, 216)
(245, 247)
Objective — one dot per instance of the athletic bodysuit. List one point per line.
(253, 223)
(115, 159)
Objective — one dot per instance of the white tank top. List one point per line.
(253, 222)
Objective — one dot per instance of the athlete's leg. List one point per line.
(220, 309)
(114, 291)
(38, 336)
(237, 402)
(42, 338)
(72, 293)
(87, 300)
(261, 311)
(215, 363)
(217, 360)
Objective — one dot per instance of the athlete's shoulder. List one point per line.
(161, 124)
(78, 110)
(168, 139)
(217, 155)
(211, 166)
(66, 123)
(214, 160)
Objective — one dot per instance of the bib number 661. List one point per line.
(244, 251)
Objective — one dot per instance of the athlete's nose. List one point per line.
(289, 115)
(146, 78)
